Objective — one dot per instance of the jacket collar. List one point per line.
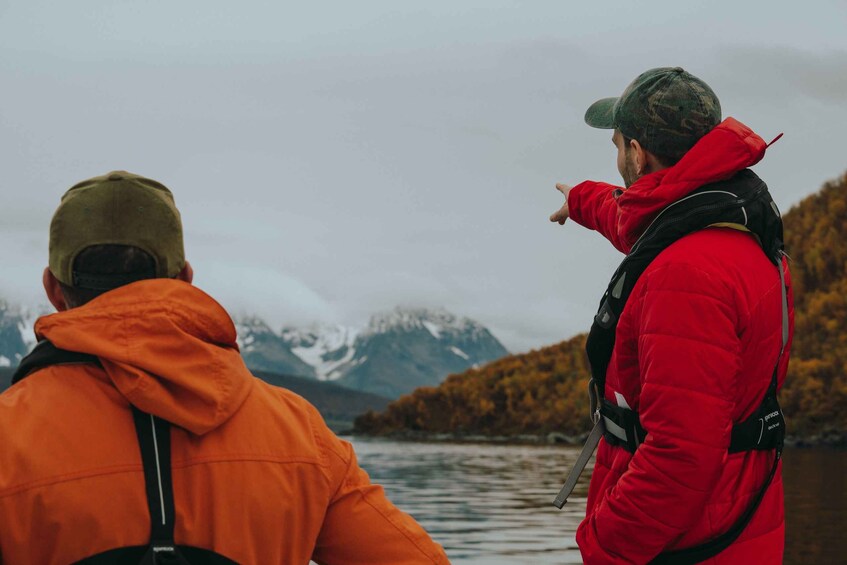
(729, 148)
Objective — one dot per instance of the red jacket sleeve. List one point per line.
(593, 205)
(689, 358)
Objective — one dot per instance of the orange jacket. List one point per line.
(257, 475)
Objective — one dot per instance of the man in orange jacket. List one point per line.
(135, 431)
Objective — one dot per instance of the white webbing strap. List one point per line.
(579, 466)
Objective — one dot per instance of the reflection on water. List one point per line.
(815, 506)
(491, 504)
(484, 503)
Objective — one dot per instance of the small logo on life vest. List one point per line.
(772, 415)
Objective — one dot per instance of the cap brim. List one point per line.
(601, 114)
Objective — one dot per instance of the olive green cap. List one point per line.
(666, 109)
(118, 208)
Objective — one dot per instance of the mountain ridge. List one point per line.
(410, 347)
(396, 351)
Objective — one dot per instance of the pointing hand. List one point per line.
(562, 214)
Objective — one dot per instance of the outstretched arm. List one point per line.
(594, 206)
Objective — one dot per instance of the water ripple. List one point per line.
(484, 503)
(491, 504)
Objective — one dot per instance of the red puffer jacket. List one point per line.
(695, 350)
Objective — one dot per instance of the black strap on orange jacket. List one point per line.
(154, 440)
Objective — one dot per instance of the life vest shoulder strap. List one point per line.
(45, 354)
(154, 440)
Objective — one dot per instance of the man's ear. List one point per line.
(186, 274)
(640, 155)
(645, 162)
(53, 290)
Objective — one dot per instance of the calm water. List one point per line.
(490, 504)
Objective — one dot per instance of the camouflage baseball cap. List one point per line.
(666, 109)
(118, 208)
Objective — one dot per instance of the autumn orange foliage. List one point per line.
(815, 393)
(544, 391)
(535, 392)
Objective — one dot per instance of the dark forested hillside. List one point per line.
(537, 392)
(544, 391)
(815, 393)
(338, 405)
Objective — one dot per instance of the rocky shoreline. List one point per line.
(836, 440)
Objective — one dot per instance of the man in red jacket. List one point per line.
(701, 340)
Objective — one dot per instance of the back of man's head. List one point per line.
(667, 110)
(113, 230)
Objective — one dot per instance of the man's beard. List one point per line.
(629, 174)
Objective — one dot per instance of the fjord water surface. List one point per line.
(491, 504)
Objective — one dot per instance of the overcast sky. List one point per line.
(336, 159)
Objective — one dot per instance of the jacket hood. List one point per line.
(167, 346)
(729, 148)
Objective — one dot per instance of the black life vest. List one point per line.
(743, 199)
(154, 440)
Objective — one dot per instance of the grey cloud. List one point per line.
(332, 163)
(788, 72)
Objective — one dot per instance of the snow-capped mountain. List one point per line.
(16, 334)
(329, 349)
(264, 350)
(407, 348)
(395, 353)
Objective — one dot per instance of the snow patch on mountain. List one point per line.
(459, 352)
(26, 324)
(432, 328)
(327, 348)
(437, 321)
(17, 336)
(264, 350)
(248, 330)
